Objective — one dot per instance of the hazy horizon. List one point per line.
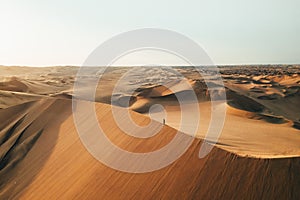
(219, 65)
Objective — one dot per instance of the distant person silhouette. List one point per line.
(164, 121)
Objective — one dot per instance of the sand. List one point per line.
(256, 157)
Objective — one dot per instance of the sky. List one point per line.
(57, 32)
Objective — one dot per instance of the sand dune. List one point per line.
(69, 171)
(278, 100)
(256, 157)
(19, 132)
(262, 136)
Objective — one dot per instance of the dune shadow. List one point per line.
(28, 143)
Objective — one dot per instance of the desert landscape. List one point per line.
(257, 155)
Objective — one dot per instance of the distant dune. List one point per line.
(256, 157)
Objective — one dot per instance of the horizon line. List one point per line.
(219, 65)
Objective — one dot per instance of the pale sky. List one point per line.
(57, 32)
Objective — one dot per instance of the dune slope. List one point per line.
(69, 171)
